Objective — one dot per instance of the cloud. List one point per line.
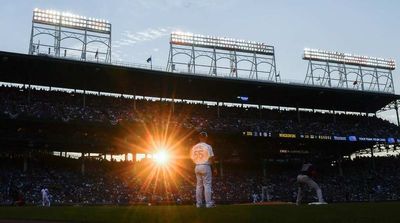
(117, 55)
(176, 4)
(131, 38)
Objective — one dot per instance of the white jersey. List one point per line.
(45, 192)
(201, 153)
(45, 197)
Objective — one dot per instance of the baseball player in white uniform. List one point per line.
(202, 155)
(304, 178)
(255, 198)
(45, 197)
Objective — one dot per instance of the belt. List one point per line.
(202, 164)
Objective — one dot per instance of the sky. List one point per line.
(141, 28)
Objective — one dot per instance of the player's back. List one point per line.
(201, 153)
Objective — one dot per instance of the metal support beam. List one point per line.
(298, 114)
(334, 116)
(84, 98)
(330, 73)
(236, 64)
(193, 61)
(173, 105)
(215, 57)
(214, 66)
(345, 76)
(83, 164)
(134, 102)
(396, 108)
(277, 77)
(79, 29)
(377, 77)
(256, 65)
(218, 112)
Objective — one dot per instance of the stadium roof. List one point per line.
(56, 72)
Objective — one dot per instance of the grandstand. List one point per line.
(327, 123)
(56, 107)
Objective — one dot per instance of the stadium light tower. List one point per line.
(218, 56)
(52, 31)
(343, 70)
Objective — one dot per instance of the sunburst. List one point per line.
(167, 140)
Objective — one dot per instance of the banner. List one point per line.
(351, 138)
(391, 140)
(257, 134)
(287, 135)
(340, 138)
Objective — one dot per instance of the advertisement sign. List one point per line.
(340, 138)
(287, 135)
(391, 140)
(352, 138)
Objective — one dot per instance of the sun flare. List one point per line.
(161, 157)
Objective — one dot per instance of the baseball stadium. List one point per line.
(216, 135)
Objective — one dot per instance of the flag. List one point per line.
(97, 54)
(148, 60)
(355, 83)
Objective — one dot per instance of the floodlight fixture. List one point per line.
(221, 56)
(344, 70)
(90, 32)
(345, 58)
(189, 39)
(69, 20)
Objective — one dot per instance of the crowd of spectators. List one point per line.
(121, 183)
(20, 103)
(124, 183)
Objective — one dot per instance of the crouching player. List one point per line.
(305, 178)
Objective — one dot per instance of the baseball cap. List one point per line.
(203, 134)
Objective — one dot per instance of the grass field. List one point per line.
(356, 212)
